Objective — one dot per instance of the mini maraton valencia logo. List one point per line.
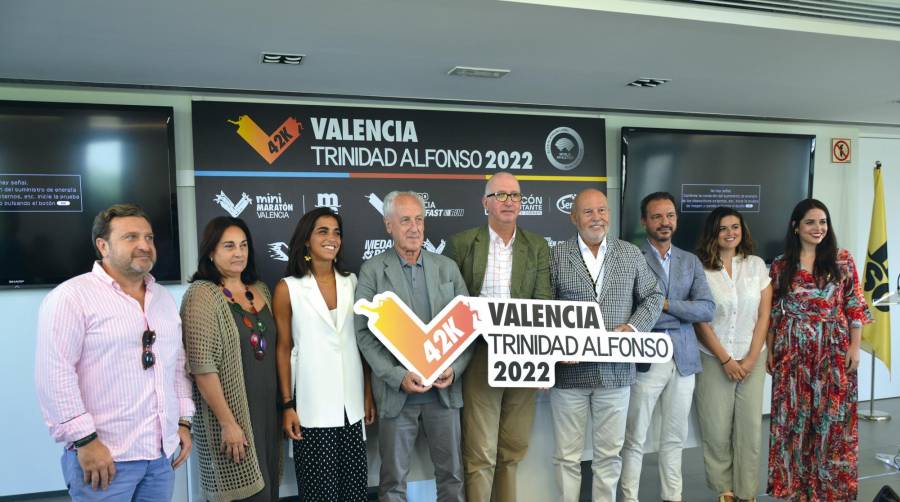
(232, 208)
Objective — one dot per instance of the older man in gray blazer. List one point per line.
(591, 266)
(687, 300)
(426, 282)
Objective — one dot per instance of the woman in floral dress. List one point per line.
(817, 315)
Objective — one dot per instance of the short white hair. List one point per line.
(487, 186)
(388, 208)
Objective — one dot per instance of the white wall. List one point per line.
(34, 465)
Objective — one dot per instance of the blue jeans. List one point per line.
(138, 480)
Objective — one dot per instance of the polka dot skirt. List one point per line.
(331, 464)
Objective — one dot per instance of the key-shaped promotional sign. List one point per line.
(526, 338)
(268, 146)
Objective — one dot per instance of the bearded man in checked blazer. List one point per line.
(498, 260)
(591, 266)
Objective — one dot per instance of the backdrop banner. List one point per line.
(270, 163)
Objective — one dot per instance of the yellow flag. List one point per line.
(876, 337)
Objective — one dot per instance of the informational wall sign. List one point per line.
(526, 338)
(270, 163)
(704, 198)
(45, 193)
(840, 150)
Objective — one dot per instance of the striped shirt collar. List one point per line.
(104, 276)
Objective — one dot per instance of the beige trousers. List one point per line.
(730, 415)
(496, 427)
(607, 409)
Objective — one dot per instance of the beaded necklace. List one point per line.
(257, 329)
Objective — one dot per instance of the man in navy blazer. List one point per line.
(688, 300)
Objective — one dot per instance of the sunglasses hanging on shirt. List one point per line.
(257, 328)
(148, 359)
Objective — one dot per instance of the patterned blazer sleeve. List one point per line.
(555, 257)
(648, 299)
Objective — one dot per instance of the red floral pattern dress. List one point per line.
(813, 440)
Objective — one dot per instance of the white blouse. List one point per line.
(737, 302)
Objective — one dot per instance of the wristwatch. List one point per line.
(186, 422)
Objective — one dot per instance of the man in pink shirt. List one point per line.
(110, 369)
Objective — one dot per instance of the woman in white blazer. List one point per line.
(325, 393)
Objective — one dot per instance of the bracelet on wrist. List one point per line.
(185, 424)
(727, 361)
(290, 404)
(85, 440)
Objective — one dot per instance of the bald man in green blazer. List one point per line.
(498, 260)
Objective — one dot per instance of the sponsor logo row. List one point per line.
(277, 207)
(278, 251)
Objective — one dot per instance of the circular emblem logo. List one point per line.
(564, 148)
(565, 203)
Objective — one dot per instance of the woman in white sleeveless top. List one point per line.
(728, 393)
(324, 386)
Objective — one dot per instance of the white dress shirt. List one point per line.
(594, 263)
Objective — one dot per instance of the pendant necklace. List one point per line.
(257, 329)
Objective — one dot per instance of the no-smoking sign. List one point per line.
(840, 150)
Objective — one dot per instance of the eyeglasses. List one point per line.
(148, 359)
(503, 196)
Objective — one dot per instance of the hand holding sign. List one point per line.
(412, 384)
(526, 338)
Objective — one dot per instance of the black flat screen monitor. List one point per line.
(761, 175)
(61, 164)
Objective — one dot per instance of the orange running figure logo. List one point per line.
(426, 350)
(268, 146)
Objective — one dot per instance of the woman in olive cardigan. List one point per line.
(229, 336)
